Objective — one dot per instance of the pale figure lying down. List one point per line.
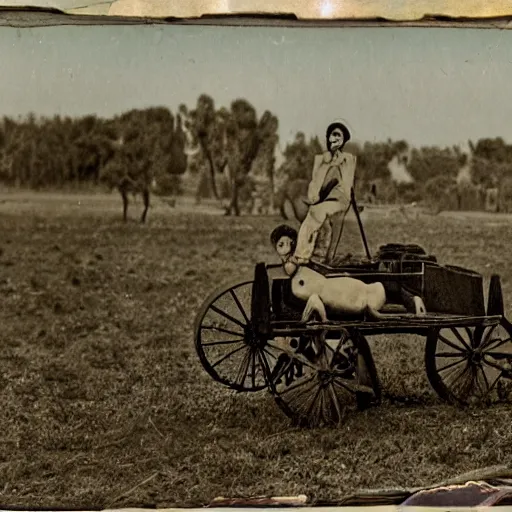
(346, 295)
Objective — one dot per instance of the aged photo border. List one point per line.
(32, 17)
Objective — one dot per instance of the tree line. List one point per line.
(229, 153)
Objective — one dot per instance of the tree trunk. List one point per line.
(233, 207)
(209, 157)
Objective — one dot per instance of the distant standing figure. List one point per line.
(328, 192)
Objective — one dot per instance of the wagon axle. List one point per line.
(254, 339)
(326, 377)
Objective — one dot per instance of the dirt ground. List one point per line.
(105, 404)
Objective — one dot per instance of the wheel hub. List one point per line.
(476, 357)
(325, 377)
(253, 339)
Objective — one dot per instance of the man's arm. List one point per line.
(349, 174)
(317, 180)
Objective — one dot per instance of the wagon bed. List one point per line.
(407, 323)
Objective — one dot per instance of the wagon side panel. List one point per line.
(453, 291)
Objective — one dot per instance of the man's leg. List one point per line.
(309, 229)
(397, 293)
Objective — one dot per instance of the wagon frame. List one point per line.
(315, 382)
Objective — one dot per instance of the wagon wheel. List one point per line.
(226, 342)
(470, 364)
(326, 378)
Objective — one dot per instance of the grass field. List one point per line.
(104, 403)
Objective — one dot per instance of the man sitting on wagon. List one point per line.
(329, 193)
(344, 294)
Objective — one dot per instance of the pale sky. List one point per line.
(428, 86)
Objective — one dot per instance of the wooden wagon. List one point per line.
(250, 337)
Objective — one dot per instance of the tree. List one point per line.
(261, 176)
(440, 191)
(148, 148)
(299, 157)
(208, 127)
(246, 140)
(429, 162)
(491, 161)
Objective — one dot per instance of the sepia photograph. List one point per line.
(252, 261)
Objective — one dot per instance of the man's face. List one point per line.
(336, 139)
(284, 247)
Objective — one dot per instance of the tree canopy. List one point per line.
(233, 149)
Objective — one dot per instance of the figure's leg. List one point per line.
(397, 293)
(309, 229)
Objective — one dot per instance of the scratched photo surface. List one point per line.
(142, 172)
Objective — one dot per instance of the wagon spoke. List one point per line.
(484, 375)
(299, 401)
(253, 376)
(243, 370)
(461, 339)
(320, 406)
(496, 366)
(499, 355)
(222, 359)
(450, 354)
(458, 373)
(476, 380)
(449, 343)
(221, 329)
(298, 357)
(451, 365)
(488, 339)
(496, 380)
(325, 406)
(314, 401)
(280, 370)
(499, 344)
(471, 336)
(223, 342)
(267, 372)
(237, 301)
(345, 384)
(343, 339)
(464, 373)
(226, 315)
(298, 384)
(335, 401)
(270, 354)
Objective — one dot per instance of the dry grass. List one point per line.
(104, 402)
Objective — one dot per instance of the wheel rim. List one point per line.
(321, 381)
(228, 348)
(473, 364)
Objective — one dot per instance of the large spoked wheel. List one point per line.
(470, 364)
(228, 346)
(318, 380)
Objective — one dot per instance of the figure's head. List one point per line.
(337, 136)
(284, 240)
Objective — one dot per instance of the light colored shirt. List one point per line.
(326, 167)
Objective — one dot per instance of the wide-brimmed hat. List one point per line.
(342, 126)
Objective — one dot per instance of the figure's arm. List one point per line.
(317, 180)
(349, 173)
